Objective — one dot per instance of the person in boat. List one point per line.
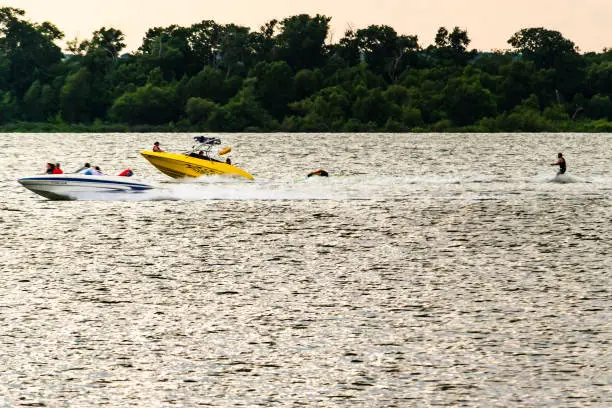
(126, 173)
(203, 156)
(561, 163)
(228, 161)
(198, 155)
(93, 171)
(156, 147)
(320, 173)
(50, 168)
(58, 169)
(82, 169)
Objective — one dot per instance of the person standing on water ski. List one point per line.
(561, 163)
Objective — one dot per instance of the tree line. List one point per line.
(287, 76)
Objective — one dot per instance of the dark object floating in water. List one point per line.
(320, 172)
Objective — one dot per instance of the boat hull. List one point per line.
(181, 166)
(75, 186)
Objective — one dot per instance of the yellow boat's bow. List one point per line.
(182, 165)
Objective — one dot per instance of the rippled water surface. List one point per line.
(428, 270)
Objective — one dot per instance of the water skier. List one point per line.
(561, 163)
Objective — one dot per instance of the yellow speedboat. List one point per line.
(194, 164)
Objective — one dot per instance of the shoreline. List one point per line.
(582, 126)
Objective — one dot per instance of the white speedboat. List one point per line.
(79, 186)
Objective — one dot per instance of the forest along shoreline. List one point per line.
(288, 76)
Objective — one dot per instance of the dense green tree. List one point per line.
(101, 59)
(352, 77)
(411, 116)
(201, 111)
(306, 83)
(210, 84)
(547, 48)
(385, 52)
(5, 70)
(216, 77)
(157, 40)
(550, 50)
(9, 110)
(466, 100)
(28, 49)
(243, 112)
(48, 102)
(149, 104)
(428, 96)
(452, 46)
(263, 42)
(519, 79)
(328, 109)
(156, 78)
(74, 97)
(39, 102)
(525, 117)
(169, 49)
(273, 86)
(599, 107)
(31, 107)
(397, 94)
(110, 40)
(374, 107)
(205, 42)
(493, 62)
(301, 41)
(129, 72)
(556, 113)
(457, 40)
(235, 49)
(599, 78)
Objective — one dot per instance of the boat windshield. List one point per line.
(205, 145)
(207, 140)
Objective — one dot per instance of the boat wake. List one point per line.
(337, 188)
(559, 178)
(237, 190)
(566, 178)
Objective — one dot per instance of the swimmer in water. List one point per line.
(561, 163)
(320, 172)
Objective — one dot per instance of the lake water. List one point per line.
(427, 270)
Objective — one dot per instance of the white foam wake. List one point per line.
(340, 188)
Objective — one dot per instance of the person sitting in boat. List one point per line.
(156, 147)
(199, 155)
(126, 173)
(50, 168)
(320, 172)
(95, 171)
(82, 169)
(228, 161)
(57, 169)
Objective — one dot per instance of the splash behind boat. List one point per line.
(191, 164)
(74, 186)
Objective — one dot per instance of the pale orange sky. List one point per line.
(490, 23)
